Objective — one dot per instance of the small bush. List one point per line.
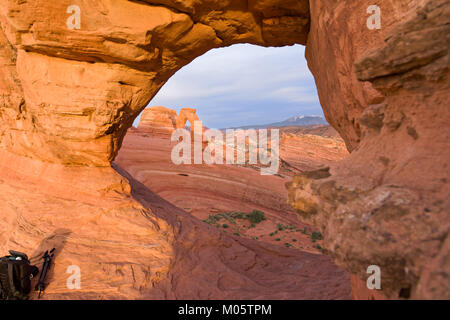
(256, 216)
(316, 235)
(212, 220)
(225, 226)
(238, 215)
(277, 239)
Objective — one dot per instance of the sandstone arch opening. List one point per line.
(68, 97)
(243, 85)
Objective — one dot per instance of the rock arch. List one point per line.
(68, 97)
(187, 114)
(118, 60)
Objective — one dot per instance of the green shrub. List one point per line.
(225, 226)
(256, 216)
(316, 235)
(277, 239)
(282, 227)
(238, 215)
(212, 220)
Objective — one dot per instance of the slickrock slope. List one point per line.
(68, 96)
(132, 244)
(317, 130)
(306, 152)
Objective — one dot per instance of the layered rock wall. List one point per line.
(387, 204)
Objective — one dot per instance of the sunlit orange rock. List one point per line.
(158, 121)
(68, 96)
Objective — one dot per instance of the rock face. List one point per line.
(391, 193)
(69, 92)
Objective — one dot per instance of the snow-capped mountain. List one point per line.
(299, 121)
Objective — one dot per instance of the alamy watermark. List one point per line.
(374, 281)
(74, 21)
(74, 280)
(215, 147)
(374, 20)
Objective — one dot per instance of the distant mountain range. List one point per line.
(297, 121)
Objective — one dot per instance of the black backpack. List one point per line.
(15, 276)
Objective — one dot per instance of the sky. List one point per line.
(243, 85)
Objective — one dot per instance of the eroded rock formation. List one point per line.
(387, 204)
(68, 95)
(187, 114)
(158, 120)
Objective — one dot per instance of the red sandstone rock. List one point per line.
(132, 244)
(391, 193)
(187, 114)
(68, 96)
(158, 120)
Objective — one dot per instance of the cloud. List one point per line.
(242, 84)
(295, 94)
